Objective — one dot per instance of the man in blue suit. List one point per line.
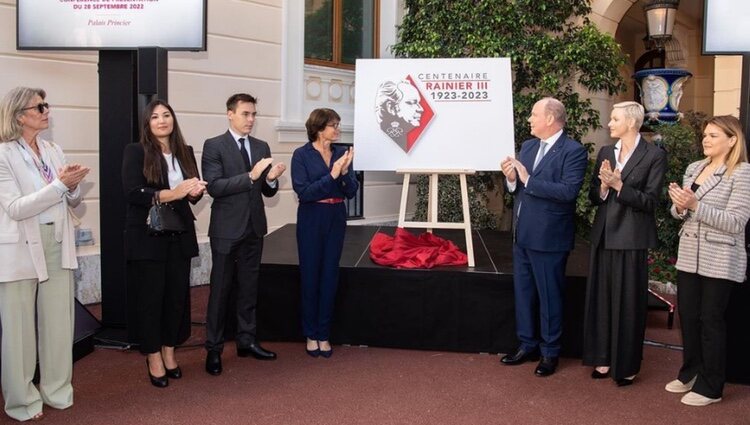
(545, 180)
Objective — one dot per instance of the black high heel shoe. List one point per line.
(624, 382)
(175, 373)
(157, 381)
(312, 353)
(326, 353)
(595, 374)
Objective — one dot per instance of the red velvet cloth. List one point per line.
(405, 250)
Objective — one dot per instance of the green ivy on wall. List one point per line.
(553, 48)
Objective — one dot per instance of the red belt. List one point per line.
(331, 201)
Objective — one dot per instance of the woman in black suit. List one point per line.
(162, 166)
(626, 190)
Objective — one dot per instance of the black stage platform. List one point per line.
(446, 308)
(449, 308)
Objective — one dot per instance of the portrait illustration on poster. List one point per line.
(402, 112)
(447, 113)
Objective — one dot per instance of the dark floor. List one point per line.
(360, 385)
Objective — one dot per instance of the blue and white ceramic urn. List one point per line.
(661, 91)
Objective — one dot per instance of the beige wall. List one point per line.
(71, 83)
(728, 72)
(244, 55)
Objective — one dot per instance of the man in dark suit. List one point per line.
(238, 171)
(545, 180)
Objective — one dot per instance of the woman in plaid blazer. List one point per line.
(713, 203)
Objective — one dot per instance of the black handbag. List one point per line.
(163, 219)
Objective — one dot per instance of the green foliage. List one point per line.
(682, 146)
(450, 195)
(552, 46)
(661, 267)
(585, 210)
(319, 32)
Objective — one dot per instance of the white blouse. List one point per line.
(174, 172)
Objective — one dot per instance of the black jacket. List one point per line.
(235, 198)
(139, 195)
(628, 219)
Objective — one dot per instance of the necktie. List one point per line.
(243, 152)
(540, 154)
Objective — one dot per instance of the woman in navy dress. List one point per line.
(322, 177)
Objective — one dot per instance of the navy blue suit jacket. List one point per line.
(548, 201)
(311, 176)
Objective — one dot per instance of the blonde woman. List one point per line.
(37, 257)
(626, 190)
(713, 203)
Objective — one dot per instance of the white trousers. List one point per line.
(52, 301)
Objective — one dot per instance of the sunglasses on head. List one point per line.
(40, 107)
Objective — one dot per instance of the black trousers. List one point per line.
(616, 310)
(239, 258)
(162, 301)
(702, 304)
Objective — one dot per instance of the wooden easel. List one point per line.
(432, 205)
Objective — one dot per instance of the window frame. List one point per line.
(338, 11)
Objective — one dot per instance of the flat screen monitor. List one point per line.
(110, 24)
(725, 29)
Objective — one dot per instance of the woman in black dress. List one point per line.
(626, 189)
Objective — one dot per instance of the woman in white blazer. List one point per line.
(713, 202)
(37, 255)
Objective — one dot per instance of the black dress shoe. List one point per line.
(313, 353)
(326, 354)
(256, 351)
(595, 374)
(519, 357)
(175, 373)
(624, 382)
(157, 381)
(546, 366)
(213, 363)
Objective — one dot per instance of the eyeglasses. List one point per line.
(335, 125)
(40, 107)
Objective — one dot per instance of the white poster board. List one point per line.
(433, 114)
(111, 24)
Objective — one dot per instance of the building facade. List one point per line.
(258, 46)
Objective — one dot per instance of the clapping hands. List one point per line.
(683, 199)
(274, 173)
(192, 188)
(513, 168)
(341, 166)
(72, 174)
(609, 178)
(259, 167)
